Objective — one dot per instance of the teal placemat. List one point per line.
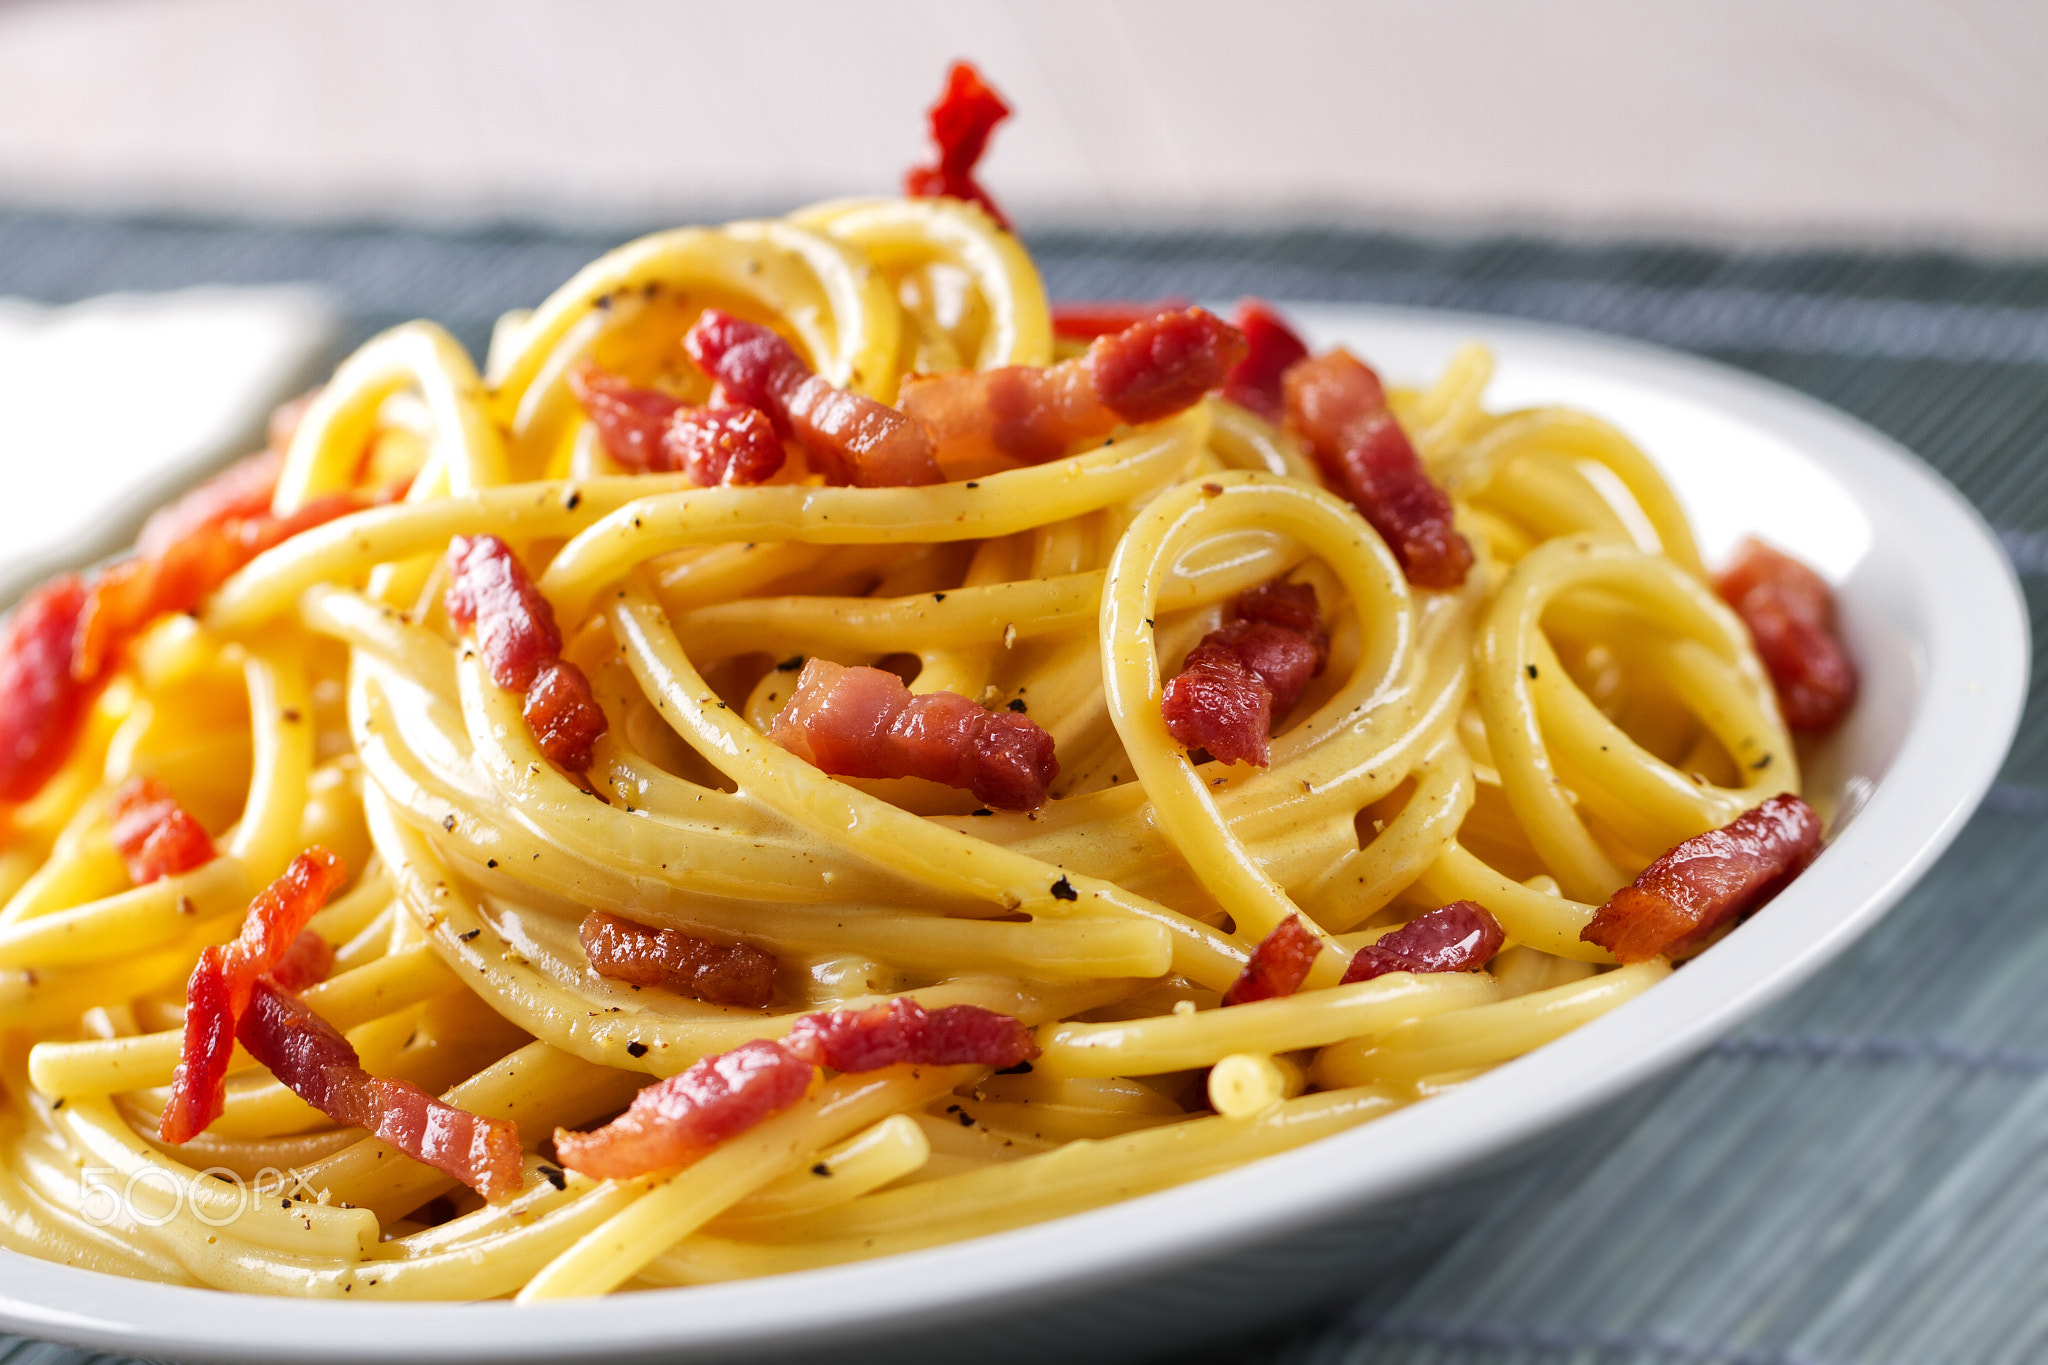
(1860, 1176)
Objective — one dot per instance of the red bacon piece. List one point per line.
(1460, 937)
(218, 993)
(731, 446)
(967, 112)
(42, 700)
(1272, 347)
(1681, 901)
(1791, 615)
(490, 590)
(903, 1031)
(1278, 965)
(564, 715)
(308, 962)
(316, 1063)
(155, 836)
(1025, 414)
(863, 722)
(630, 421)
(1240, 677)
(1090, 318)
(1336, 404)
(648, 431)
(670, 1122)
(724, 974)
(241, 492)
(191, 547)
(850, 438)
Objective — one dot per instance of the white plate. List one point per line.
(1935, 617)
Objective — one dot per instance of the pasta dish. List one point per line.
(814, 752)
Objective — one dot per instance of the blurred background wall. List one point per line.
(1823, 121)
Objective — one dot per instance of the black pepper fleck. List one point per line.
(1063, 890)
(791, 664)
(636, 1049)
(1532, 670)
(1017, 704)
(555, 1176)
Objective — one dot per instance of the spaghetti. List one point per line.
(821, 760)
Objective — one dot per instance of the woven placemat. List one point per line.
(1859, 1176)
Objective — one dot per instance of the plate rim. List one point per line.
(1974, 684)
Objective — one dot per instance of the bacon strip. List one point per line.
(1336, 404)
(1278, 965)
(1681, 901)
(967, 112)
(191, 547)
(155, 836)
(1240, 677)
(863, 722)
(42, 701)
(735, 974)
(56, 648)
(725, 1095)
(1088, 319)
(218, 993)
(672, 1121)
(1460, 937)
(490, 590)
(316, 1063)
(1791, 615)
(650, 432)
(308, 962)
(1025, 414)
(850, 438)
(1272, 347)
(904, 1031)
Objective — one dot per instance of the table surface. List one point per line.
(1859, 1176)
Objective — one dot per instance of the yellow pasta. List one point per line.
(1528, 741)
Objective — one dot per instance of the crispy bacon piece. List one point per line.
(904, 1031)
(672, 1121)
(1025, 414)
(630, 421)
(1272, 347)
(56, 648)
(850, 438)
(647, 431)
(1240, 677)
(1460, 937)
(1336, 404)
(1278, 965)
(967, 112)
(564, 715)
(724, 974)
(217, 995)
(1683, 900)
(1791, 616)
(1090, 318)
(490, 590)
(191, 547)
(155, 836)
(308, 962)
(42, 700)
(316, 1063)
(730, 446)
(863, 722)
